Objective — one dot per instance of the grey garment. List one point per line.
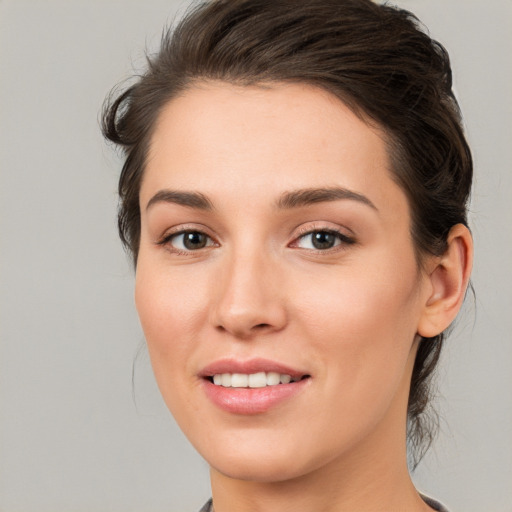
(208, 506)
(431, 502)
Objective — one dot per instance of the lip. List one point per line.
(250, 401)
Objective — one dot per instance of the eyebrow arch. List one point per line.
(309, 196)
(183, 198)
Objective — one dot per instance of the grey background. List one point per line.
(71, 437)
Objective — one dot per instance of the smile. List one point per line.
(253, 386)
(252, 380)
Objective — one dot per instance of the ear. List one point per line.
(448, 277)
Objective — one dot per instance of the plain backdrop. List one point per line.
(72, 436)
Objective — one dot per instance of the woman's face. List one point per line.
(275, 246)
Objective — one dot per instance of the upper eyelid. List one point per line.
(323, 226)
(166, 242)
(343, 237)
(297, 233)
(183, 228)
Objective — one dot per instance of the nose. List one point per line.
(249, 297)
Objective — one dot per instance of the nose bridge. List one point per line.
(248, 299)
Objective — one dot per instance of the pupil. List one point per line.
(194, 240)
(323, 240)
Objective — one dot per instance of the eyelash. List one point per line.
(342, 240)
(167, 239)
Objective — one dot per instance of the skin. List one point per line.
(349, 316)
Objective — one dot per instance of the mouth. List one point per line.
(251, 387)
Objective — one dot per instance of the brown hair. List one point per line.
(374, 58)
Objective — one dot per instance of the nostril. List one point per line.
(259, 327)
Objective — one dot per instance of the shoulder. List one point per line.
(431, 502)
(207, 507)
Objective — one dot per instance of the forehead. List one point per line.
(225, 138)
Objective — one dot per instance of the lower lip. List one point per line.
(251, 400)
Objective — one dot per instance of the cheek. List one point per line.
(361, 331)
(171, 311)
(359, 301)
(166, 300)
(365, 320)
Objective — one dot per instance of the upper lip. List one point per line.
(249, 366)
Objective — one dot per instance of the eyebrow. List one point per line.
(288, 200)
(183, 198)
(309, 196)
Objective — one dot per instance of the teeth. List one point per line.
(253, 380)
(273, 378)
(285, 379)
(257, 380)
(239, 380)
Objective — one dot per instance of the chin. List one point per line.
(264, 463)
(263, 471)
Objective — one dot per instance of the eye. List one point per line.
(188, 241)
(322, 240)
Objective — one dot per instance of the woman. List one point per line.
(294, 198)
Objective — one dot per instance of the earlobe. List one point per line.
(449, 280)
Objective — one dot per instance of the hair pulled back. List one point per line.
(374, 58)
